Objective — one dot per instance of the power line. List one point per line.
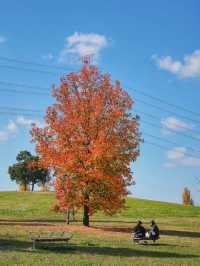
(157, 145)
(48, 72)
(166, 102)
(144, 102)
(33, 111)
(180, 133)
(64, 68)
(44, 93)
(171, 123)
(172, 142)
(144, 113)
(145, 133)
(6, 108)
(4, 58)
(17, 112)
(165, 148)
(40, 91)
(29, 70)
(13, 113)
(162, 101)
(28, 62)
(167, 111)
(25, 92)
(22, 85)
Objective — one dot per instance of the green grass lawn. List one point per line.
(107, 242)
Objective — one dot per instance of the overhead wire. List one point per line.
(15, 60)
(28, 62)
(165, 102)
(29, 70)
(177, 132)
(167, 148)
(166, 110)
(172, 142)
(13, 111)
(171, 123)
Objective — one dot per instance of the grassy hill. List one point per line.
(107, 242)
(29, 205)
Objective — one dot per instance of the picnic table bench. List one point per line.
(52, 237)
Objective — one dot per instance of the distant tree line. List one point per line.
(27, 172)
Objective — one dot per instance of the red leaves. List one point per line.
(89, 140)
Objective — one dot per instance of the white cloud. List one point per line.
(21, 120)
(188, 68)
(80, 44)
(175, 124)
(12, 127)
(176, 153)
(2, 39)
(178, 157)
(9, 129)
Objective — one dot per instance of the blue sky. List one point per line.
(150, 46)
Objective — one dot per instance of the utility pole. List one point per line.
(86, 59)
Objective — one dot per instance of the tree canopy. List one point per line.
(90, 140)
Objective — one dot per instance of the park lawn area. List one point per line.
(106, 242)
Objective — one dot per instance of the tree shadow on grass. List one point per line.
(117, 229)
(74, 249)
(122, 252)
(61, 220)
(13, 244)
(181, 233)
(114, 221)
(28, 223)
(160, 244)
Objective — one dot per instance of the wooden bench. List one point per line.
(62, 237)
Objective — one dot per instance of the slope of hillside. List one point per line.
(36, 205)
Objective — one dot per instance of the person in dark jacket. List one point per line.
(139, 230)
(154, 231)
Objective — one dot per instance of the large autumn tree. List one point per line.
(89, 141)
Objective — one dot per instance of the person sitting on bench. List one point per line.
(139, 230)
(154, 231)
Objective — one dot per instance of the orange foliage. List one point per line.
(89, 140)
(55, 208)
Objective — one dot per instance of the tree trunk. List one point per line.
(68, 216)
(86, 218)
(73, 215)
(32, 186)
(23, 187)
(43, 188)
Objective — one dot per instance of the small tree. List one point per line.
(26, 171)
(186, 197)
(20, 171)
